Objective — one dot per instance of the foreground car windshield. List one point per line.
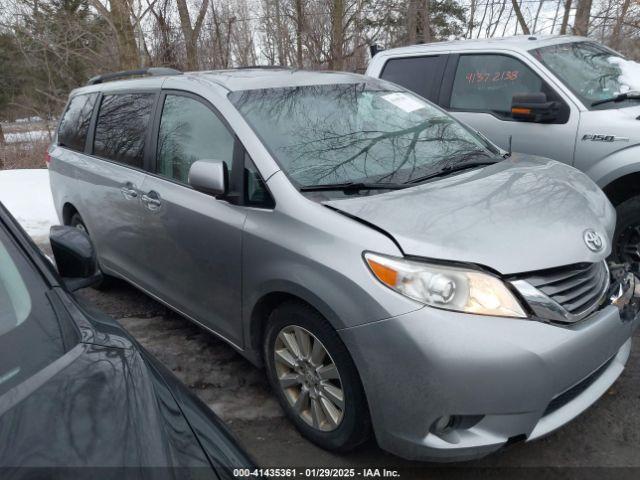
(591, 71)
(343, 133)
(29, 333)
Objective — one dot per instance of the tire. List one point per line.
(626, 240)
(107, 280)
(354, 425)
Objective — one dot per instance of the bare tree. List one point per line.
(617, 27)
(520, 17)
(191, 33)
(535, 21)
(565, 17)
(336, 60)
(119, 19)
(426, 21)
(299, 19)
(412, 21)
(583, 12)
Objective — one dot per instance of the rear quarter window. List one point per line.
(74, 125)
(121, 127)
(422, 75)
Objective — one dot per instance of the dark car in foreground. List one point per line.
(77, 391)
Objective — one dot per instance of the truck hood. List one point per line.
(522, 214)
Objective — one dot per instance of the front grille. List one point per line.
(565, 397)
(577, 288)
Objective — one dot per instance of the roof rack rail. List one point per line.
(153, 71)
(264, 67)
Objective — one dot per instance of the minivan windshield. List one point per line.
(592, 72)
(369, 133)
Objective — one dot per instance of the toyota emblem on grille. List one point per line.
(593, 240)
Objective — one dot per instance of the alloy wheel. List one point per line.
(309, 378)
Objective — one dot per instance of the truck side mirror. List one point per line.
(534, 107)
(75, 257)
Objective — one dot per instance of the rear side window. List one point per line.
(190, 131)
(74, 125)
(121, 127)
(488, 83)
(422, 75)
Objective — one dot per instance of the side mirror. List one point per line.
(534, 107)
(75, 257)
(209, 176)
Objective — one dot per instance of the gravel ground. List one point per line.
(607, 435)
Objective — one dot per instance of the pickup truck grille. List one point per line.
(577, 288)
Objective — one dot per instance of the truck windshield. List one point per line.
(592, 72)
(369, 132)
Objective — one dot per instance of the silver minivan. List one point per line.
(393, 271)
(563, 97)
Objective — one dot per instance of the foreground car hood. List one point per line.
(519, 215)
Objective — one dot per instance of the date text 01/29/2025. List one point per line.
(316, 473)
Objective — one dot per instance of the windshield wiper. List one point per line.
(449, 170)
(632, 95)
(352, 187)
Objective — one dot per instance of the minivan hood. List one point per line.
(522, 214)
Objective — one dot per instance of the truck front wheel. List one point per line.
(626, 241)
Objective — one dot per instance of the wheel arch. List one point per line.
(68, 210)
(623, 188)
(267, 301)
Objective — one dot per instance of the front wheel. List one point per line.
(626, 243)
(315, 379)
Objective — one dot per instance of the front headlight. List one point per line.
(451, 288)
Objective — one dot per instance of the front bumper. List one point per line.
(524, 378)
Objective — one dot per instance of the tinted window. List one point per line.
(122, 126)
(422, 75)
(488, 82)
(190, 131)
(30, 336)
(74, 124)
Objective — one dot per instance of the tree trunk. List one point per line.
(337, 35)
(535, 21)
(565, 17)
(412, 22)
(472, 14)
(426, 21)
(555, 17)
(119, 20)
(583, 12)
(190, 33)
(497, 22)
(523, 24)
(299, 32)
(617, 27)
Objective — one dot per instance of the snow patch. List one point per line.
(629, 78)
(27, 195)
(22, 137)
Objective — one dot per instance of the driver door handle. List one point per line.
(129, 191)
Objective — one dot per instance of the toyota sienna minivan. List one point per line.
(394, 272)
